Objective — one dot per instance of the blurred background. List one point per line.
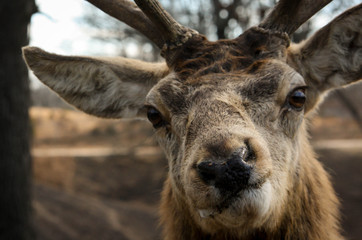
(101, 179)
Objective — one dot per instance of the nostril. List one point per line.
(250, 154)
(207, 171)
(245, 153)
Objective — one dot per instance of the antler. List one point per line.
(173, 33)
(150, 19)
(128, 12)
(288, 15)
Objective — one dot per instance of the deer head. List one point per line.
(230, 115)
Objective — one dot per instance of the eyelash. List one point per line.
(295, 101)
(155, 117)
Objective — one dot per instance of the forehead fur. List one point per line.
(263, 81)
(251, 65)
(200, 57)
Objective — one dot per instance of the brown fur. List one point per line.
(309, 205)
(221, 101)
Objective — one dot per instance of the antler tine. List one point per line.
(149, 18)
(288, 16)
(173, 33)
(128, 12)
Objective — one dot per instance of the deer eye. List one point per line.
(155, 117)
(297, 98)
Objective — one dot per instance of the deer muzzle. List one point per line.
(229, 175)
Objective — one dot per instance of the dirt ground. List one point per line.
(101, 179)
(345, 168)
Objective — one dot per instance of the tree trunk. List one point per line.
(15, 161)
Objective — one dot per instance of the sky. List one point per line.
(56, 27)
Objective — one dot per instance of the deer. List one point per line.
(230, 115)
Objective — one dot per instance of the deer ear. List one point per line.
(332, 57)
(104, 87)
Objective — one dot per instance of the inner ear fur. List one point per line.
(100, 86)
(332, 57)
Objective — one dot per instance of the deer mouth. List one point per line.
(239, 201)
(251, 207)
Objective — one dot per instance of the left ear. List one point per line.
(103, 87)
(332, 57)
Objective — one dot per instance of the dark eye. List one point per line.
(155, 117)
(297, 99)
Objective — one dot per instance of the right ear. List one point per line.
(332, 57)
(104, 87)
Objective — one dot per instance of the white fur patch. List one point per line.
(260, 199)
(205, 213)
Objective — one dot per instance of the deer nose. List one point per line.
(229, 175)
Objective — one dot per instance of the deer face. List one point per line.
(230, 115)
(230, 135)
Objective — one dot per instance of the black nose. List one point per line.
(231, 175)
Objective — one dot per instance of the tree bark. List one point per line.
(15, 160)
